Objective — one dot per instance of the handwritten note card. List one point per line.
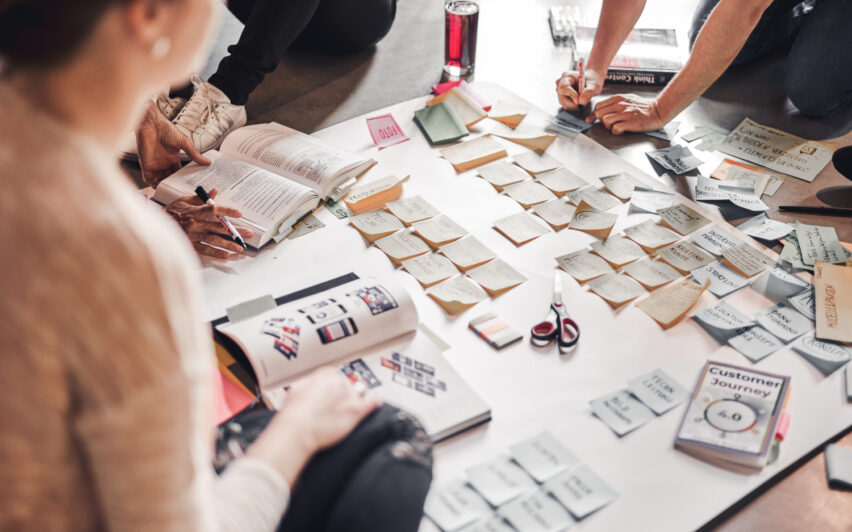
(682, 219)
(716, 240)
(561, 181)
(502, 173)
(496, 277)
(455, 505)
(825, 356)
(467, 253)
(651, 236)
(499, 480)
(618, 250)
(833, 302)
(784, 322)
(528, 193)
(520, 228)
(756, 343)
(430, 269)
(621, 412)
(581, 491)
(616, 288)
(410, 210)
(543, 456)
(557, 213)
(537, 512)
(658, 391)
(685, 256)
(583, 265)
(777, 150)
(722, 321)
(651, 273)
(723, 280)
(456, 295)
(621, 185)
(669, 305)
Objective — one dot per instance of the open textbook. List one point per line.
(273, 174)
(370, 328)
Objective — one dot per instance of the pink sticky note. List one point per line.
(230, 398)
(385, 131)
(441, 88)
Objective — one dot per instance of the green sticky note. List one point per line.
(440, 123)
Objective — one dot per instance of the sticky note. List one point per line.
(440, 124)
(716, 240)
(833, 301)
(651, 273)
(376, 224)
(804, 302)
(596, 199)
(528, 193)
(520, 228)
(765, 228)
(778, 284)
(581, 491)
(439, 230)
(598, 224)
(621, 412)
(682, 219)
(616, 289)
(746, 261)
(676, 159)
(755, 343)
(455, 505)
(499, 480)
(621, 185)
(385, 131)
(410, 210)
(556, 213)
(827, 357)
(684, 256)
(649, 200)
(537, 512)
(561, 181)
(402, 245)
(430, 269)
(659, 391)
(820, 243)
(723, 280)
(472, 153)
(493, 523)
(467, 253)
(722, 321)
(651, 236)
(535, 163)
(618, 250)
(496, 277)
(457, 294)
(669, 305)
(501, 173)
(543, 456)
(583, 265)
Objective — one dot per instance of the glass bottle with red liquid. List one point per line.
(461, 20)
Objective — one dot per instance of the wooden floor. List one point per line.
(310, 91)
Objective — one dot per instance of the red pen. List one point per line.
(580, 83)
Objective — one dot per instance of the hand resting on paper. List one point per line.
(566, 88)
(627, 112)
(320, 410)
(203, 229)
(159, 144)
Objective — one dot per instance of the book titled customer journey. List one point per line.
(273, 174)
(370, 329)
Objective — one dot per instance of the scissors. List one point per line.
(557, 325)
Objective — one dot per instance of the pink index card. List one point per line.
(385, 131)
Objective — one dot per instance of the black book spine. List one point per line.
(642, 78)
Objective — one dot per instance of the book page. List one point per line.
(264, 198)
(298, 337)
(292, 154)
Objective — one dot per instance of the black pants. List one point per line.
(817, 33)
(376, 479)
(274, 26)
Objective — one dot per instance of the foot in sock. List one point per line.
(209, 116)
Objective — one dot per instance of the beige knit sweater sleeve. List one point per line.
(107, 365)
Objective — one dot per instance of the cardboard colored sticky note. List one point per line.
(467, 253)
(596, 199)
(502, 173)
(496, 277)
(556, 213)
(684, 256)
(457, 294)
(535, 163)
(365, 197)
(385, 131)
(376, 224)
(618, 250)
(410, 210)
(616, 289)
(439, 230)
(833, 289)
(621, 185)
(598, 224)
(651, 236)
(499, 480)
(649, 200)
(466, 108)
(472, 153)
(621, 411)
(528, 193)
(659, 391)
(561, 181)
(746, 261)
(520, 228)
(508, 113)
(669, 305)
(533, 139)
(583, 265)
(430, 269)
(402, 245)
(651, 273)
(543, 456)
(682, 219)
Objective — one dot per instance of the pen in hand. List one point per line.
(205, 197)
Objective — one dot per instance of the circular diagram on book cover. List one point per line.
(730, 415)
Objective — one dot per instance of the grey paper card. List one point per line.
(827, 357)
(499, 480)
(838, 466)
(804, 302)
(621, 412)
(543, 456)
(848, 382)
(494, 523)
(454, 506)
(667, 132)
(778, 284)
(568, 124)
(581, 491)
(723, 280)
(658, 391)
(716, 240)
(722, 321)
(649, 200)
(537, 512)
(676, 159)
(784, 322)
(755, 343)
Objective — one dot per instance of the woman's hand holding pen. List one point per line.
(208, 235)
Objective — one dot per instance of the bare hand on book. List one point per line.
(207, 234)
(567, 85)
(159, 143)
(627, 112)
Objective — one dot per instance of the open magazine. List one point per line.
(273, 174)
(370, 329)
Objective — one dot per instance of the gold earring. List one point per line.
(161, 47)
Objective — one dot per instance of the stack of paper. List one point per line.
(806, 244)
(440, 124)
(568, 124)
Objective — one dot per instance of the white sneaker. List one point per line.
(209, 116)
(170, 107)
